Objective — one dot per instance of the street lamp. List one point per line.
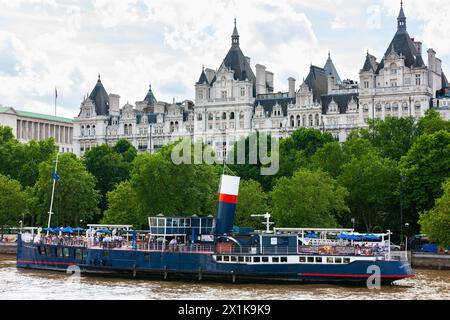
(402, 178)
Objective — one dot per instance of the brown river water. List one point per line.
(47, 285)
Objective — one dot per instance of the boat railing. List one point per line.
(304, 250)
(398, 256)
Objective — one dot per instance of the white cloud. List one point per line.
(48, 43)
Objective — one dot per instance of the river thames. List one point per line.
(44, 285)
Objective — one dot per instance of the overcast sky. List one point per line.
(132, 43)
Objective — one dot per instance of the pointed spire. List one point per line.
(401, 20)
(235, 36)
(99, 78)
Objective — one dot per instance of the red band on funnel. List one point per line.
(228, 198)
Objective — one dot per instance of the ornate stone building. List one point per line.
(232, 101)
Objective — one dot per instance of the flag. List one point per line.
(55, 176)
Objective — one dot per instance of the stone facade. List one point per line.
(232, 101)
(27, 126)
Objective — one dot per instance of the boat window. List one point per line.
(265, 259)
(78, 254)
(346, 260)
(233, 259)
(219, 258)
(257, 259)
(248, 259)
(66, 253)
(318, 259)
(275, 259)
(147, 256)
(310, 259)
(284, 259)
(226, 258)
(59, 251)
(241, 259)
(338, 260)
(302, 259)
(330, 260)
(84, 254)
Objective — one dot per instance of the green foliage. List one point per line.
(436, 222)
(20, 161)
(12, 202)
(110, 166)
(252, 200)
(164, 187)
(392, 137)
(330, 159)
(431, 123)
(371, 181)
(425, 167)
(75, 195)
(308, 199)
(124, 207)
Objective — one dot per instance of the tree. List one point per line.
(431, 123)
(392, 137)
(110, 166)
(425, 167)
(20, 161)
(296, 150)
(308, 199)
(124, 207)
(12, 202)
(75, 195)
(163, 187)
(330, 159)
(436, 222)
(371, 181)
(252, 200)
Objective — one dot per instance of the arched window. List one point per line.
(299, 121)
(311, 120)
(224, 116)
(172, 127)
(232, 116)
(199, 117)
(304, 121)
(82, 131)
(93, 130)
(88, 130)
(210, 117)
(292, 121)
(176, 126)
(125, 130)
(317, 120)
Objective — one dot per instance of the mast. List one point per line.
(55, 178)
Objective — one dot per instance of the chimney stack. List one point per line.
(291, 87)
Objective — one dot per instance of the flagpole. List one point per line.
(50, 213)
(56, 97)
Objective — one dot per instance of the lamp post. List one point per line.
(402, 177)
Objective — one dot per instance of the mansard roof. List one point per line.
(269, 104)
(150, 97)
(445, 83)
(100, 98)
(402, 44)
(330, 69)
(370, 64)
(342, 100)
(203, 78)
(317, 82)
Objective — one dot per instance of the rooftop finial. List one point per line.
(235, 36)
(329, 54)
(401, 20)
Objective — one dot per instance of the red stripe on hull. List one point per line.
(50, 263)
(228, 198)
(354, 275)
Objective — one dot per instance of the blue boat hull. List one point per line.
(202, 266)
